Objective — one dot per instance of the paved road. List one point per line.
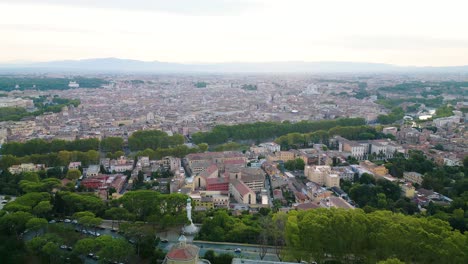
(248, 251)
(3, 201)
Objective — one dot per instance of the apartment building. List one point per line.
(322, 175)
(242, 193)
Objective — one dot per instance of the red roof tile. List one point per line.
(241, 187)
(187, 252)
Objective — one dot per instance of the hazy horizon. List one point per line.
(402, 33)
(24, 62)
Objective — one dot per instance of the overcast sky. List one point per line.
(402, 32)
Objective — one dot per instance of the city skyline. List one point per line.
(420, 33)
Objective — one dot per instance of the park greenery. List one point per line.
(46, 83)
(112, 144)
(426, 89)
(230, 146)
(155, 144)
(444, 111)
(396, 114)
(391, 103)
(261, 131)
(41, 106)
(415, 96)
(153, 139)
(343, 236)
(296, 164)
(40, 146)
(298, 140)
(361, 93)
(353, 236)
(200, 84)
(224, 258)
(27, 236)
(249, 87)
(176, 151)
(371, 195)
(50, 160)
(63, 158)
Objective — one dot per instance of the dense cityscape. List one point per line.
(123, 156)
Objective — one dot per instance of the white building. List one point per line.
(445, 121)
(74, 165)
(93, 170)
(271, 146)
(357, 150)
(73, 84)
(16, 102)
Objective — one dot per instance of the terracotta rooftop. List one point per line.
(340, 203)
(300, 196)
(241, 187)
(183, 252)
(307, 206)
(210, 181)
(211, 169)
(234, 162)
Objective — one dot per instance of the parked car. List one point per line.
(67, 221)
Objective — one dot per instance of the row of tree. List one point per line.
(40, 146)
(260, 131)
(153, 139)
(62, 158)
(179, 151)
(352, 236)
(298, 140)
(139, 140)
(41, 83)
(342, 236)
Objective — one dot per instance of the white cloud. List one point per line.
(186, 7)
(400, 32)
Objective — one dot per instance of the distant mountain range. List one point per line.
(136, 66)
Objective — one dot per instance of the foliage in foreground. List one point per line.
(354, 236)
